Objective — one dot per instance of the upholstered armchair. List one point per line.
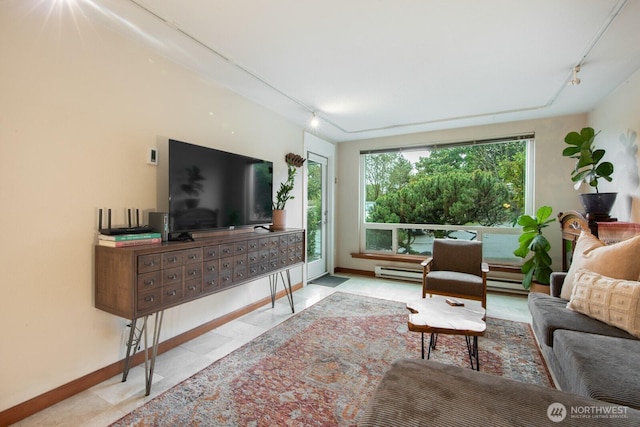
(455, 269)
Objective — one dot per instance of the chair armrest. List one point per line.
(557, 280)
(426, 265)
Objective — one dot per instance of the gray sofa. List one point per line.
(586, 357)
(418, 393)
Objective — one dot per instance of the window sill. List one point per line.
(417, 259)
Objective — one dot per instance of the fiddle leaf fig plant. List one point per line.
(589, 165)
(534, 247)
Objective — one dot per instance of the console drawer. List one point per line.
(192, 271)
(149, 300)
(211, 252)
(171, 276)
(149, 281)
(192, 288)
(148, 263)
(193, 256)
(171, 294)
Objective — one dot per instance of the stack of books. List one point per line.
(124, 240)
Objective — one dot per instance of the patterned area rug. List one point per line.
(319, 368)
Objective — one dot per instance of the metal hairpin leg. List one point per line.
(273, 284)
(433, 341)
(472, 348)
(133, 345)
(148, 367)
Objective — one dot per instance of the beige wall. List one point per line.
(79, 108)
(618, 120)
(553, 185)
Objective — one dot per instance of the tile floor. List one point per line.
(107, 402)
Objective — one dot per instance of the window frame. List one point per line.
(481, 231)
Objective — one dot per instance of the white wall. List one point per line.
(618, 120)
(79, 108)
(553, 186)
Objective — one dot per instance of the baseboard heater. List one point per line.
(398, 273)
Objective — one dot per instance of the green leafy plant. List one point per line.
(283, 195)
(589, 165)
(534, 247)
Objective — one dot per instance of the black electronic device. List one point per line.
(159, 222)
(130, 229)
(126, 230)
(203, 188)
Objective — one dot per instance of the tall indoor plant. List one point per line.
(283, 195)
(534, 247)
(589, 169)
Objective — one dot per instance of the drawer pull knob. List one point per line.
(149, 299)
(192, 287)
(211, 269)
(193, 256)
(193, 272)
(150, 263)
(149, 282)
(173, 277)
(171, 293)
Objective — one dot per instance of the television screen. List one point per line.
(212, 189)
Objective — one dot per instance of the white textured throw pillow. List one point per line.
(612, 301)
(619, 260)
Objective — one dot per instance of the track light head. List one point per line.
(314, 122)
(575, 81)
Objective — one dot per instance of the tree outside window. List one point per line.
(463, 185)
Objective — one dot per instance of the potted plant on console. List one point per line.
(534, 249)
(283, 195)
(589, 169)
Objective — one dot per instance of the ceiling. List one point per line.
(371, 68)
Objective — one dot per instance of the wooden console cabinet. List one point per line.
(138, 281)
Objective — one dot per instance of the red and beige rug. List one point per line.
(319, 368)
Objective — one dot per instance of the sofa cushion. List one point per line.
(613, 301)
(454, 283)
(619, 261)
(600, 367)
(550, 314)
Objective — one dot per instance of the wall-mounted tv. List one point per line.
(206, 189)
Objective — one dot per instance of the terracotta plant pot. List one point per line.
(539, 287)
(279, 221)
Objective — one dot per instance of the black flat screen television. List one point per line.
(208, 189)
